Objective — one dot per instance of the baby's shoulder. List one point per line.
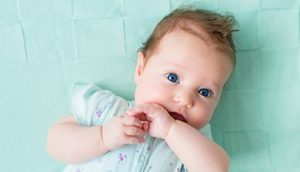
(93, 105)
(88, 90)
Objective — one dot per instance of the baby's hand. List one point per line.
(121, 130)
(159, 119)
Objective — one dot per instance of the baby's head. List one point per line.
(204, 24)
(185, 63)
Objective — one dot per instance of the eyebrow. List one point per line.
(178, 65)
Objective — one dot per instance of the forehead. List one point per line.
(192, 53)
(194, 44)
(180, 42)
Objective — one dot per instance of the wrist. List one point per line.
(171, 126)
(102, 144)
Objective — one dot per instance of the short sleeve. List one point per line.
(93, 105)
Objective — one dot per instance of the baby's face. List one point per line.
(185, 75)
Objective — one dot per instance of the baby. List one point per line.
(180, 73)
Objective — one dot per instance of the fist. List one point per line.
(121, 130)
(158, 119)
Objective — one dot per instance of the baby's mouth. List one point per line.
(177, 116)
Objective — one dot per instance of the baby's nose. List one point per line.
(184, 99)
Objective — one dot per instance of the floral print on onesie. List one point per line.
(91, 106)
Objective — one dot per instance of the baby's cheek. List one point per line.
(201, 119)
(145, 97)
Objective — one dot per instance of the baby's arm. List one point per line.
(70, 142)
(195, 151)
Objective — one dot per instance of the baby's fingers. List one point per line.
(133, 135)
(148, 111)
(132, 121)
(133, 131)
(145, 126)
(137, 113)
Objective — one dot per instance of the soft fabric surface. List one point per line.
(46, 46)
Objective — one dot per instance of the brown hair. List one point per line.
(218, 27)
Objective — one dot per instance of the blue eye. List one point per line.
(204, 92)
(173, 77)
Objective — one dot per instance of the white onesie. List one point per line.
(92, 106)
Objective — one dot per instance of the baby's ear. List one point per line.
(139, 66)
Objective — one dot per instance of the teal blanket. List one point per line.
(46, 46)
